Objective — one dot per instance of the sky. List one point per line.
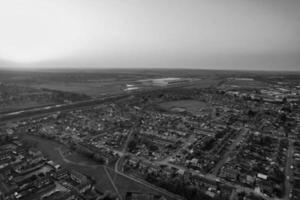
(204, 34)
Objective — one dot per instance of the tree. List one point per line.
(132, 145)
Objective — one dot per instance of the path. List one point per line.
(142, 182)
(113, 183)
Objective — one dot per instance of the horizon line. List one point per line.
(67, 69)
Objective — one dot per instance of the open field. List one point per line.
(24, 106)
(86, 166)
(245, 83)
(100, 82)
(93, 89)
(15, 97)
(93, 84)
(191, 106)
(99, 88)
(125, 184)
(205, 83)
(50, 148)
(96, 83)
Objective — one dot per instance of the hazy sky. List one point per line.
(208, 34)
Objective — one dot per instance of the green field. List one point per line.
(125, 184)
(96, 83)
(191, 106)
(49, 148)
(93, 89)
(88, 167)
(246, 83)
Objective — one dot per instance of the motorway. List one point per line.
(26, 113)
(23, 114)
(40, 111)
(19, 115)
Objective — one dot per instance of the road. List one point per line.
(225, 157)
(140, 181)
(27, 113)
(40, 111)
(113, 183)
(153, 187)
(31, 112)
(186, 144)
(123, 152)
(214, 178)
(51, 109)
(289, 170)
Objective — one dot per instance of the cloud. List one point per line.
(142, 33)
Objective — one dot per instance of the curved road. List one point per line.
(140, 181)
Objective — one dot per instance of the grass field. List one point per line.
(191, 106)
(205, 83)
(246, 83)
(93, 89)
(49, 148)
(124, 184)
(95, 83)
(88, 167)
